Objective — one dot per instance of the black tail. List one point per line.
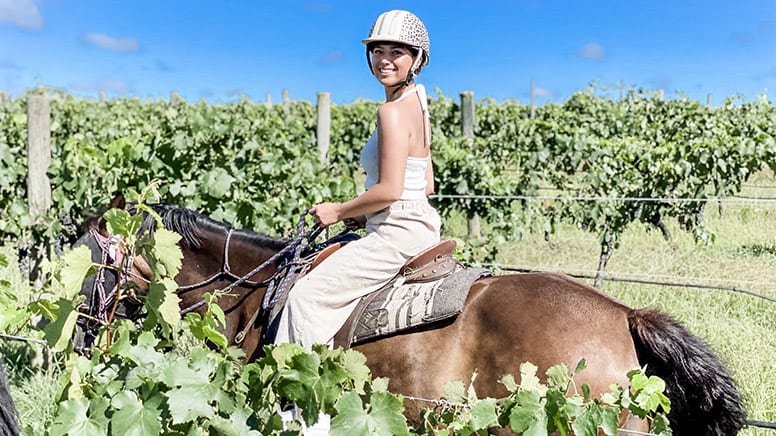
(7, 410)
(704, 399)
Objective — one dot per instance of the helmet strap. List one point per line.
(415, 64)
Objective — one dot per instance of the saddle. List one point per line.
(430, 287)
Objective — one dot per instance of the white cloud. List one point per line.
(592, 51)
(110, 43)
(23, 13)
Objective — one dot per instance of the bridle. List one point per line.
(289, 259)
(224, 272)
(111, 257)
(275, 290)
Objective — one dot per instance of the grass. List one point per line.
(740, 328)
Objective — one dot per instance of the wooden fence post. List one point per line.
(467, 130)
(269, 99)
(38, 184)
(38, 155)
(286, 100)
(286, 103)
(708, 101)
(533, 99)
(467, 114)
(323, 129)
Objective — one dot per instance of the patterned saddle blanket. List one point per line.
(402, 306)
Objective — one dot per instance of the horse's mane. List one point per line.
(193, 227)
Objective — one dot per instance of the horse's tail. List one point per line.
(704, 399)
(7, 409)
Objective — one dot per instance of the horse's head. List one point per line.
(215, 259)
(117, 268)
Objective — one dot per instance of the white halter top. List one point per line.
(415, 173)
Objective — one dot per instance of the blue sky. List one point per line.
(224, 50)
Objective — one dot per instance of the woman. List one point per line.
(394, 209)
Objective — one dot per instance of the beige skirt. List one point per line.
(320, 302)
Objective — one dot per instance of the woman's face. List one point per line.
(391, 63)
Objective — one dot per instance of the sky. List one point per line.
(232, 49)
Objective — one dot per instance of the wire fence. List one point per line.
(671, 200)
(646, 279)
(640, 278)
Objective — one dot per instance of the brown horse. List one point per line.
(541, 318)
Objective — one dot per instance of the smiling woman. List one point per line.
(394, 209)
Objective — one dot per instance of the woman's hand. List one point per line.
(326, 214)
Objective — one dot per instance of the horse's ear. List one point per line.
(118, 201)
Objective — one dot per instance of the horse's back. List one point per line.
(546, 319)
(542, 318)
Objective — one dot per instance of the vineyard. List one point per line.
(257, 166)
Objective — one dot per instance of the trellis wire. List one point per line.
(766, 201)
(609, 277)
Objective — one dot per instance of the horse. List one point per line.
(542, 318)
(8, 416)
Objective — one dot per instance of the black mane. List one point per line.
(193, 226)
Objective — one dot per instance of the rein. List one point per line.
(295, 245)
(224, 272)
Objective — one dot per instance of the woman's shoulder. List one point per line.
(399, 111)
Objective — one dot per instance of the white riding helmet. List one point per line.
(402, 27)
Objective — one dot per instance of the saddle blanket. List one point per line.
(400, 306)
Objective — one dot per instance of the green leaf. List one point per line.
(118, 222)
(78, 262)
(239, 419)
(529, 380)
(354, 364)
(59, 332)
(133, 417)
(528, 416)
(167, 251)
(586, 424)
(81, 417)
(558, 377)
(383, 416)
(454, 391)
(483, 414)
(190, 402)
(219, 182)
